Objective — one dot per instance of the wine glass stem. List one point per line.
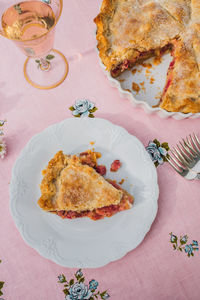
(44, 64)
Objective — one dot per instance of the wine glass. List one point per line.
(30, 24)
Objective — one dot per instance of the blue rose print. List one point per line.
(195, 243)
(93, 284)
(156, 152)
(184, 239)
(189, 249)
(173, 238)
(79, 273)
(78, 291)
(82, 108)
(61, 278)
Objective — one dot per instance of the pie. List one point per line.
(72, 188)
(130, 31)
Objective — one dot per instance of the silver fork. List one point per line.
(185, 156)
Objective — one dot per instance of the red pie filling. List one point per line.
(100, 213)
(126, 64)
(169, 78)
(115, 165)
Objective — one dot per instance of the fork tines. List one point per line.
(186, 154)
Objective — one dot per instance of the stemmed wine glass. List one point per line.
(30, 24)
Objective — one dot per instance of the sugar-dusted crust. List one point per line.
(183, 93)
(127, 28)
(106, 211)
(195, 11)
(71, 186)
(179, 9)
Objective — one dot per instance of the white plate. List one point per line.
(83, 243)
(150, 96)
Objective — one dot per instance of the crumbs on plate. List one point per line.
(135, 87)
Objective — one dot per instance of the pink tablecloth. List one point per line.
(153, 270)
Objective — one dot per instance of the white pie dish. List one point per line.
(147, 99)
(83, 243)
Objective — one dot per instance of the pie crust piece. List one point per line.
(71, 188)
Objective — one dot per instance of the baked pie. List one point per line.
(73, 188)
(130, 31)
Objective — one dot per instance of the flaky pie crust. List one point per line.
(69, 185)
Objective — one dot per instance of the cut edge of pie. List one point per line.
(181, 93)
(72, 188)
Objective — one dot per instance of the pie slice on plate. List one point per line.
(72, 188)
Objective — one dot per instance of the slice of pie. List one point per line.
(130, 31)
(72, 188)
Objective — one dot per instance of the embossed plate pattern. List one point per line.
(83, 243)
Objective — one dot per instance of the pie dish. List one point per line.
(129, 32)
(72, 188)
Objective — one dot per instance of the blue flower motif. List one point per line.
(105, 296)
(93, 284)
(79, 291)
(61, 278)
(82, 108)
(79, 273)
(156, 152)
(173, 238)
(195, 243)
(189, 249)
(184, 239)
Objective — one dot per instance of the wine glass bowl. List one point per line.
(31, 24)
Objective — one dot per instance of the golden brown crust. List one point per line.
(69, 185)
(179, 9)
(183, 94)
(125, 29)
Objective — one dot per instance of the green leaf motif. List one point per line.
(77, 116)
(91, 116)
(72, 109)
(49, 57)
(157, 143)
(66, 291)
(18, 8)
(93, 110)
(82, 280)
(165, 145)
(71, 282)
(1, 284)
(1, 293)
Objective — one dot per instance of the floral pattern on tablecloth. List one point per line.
(182, 246)
(83, 108)
(158, 152)
(76, 289)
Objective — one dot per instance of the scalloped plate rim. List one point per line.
(70, 263)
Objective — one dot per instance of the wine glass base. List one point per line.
(49, 76)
